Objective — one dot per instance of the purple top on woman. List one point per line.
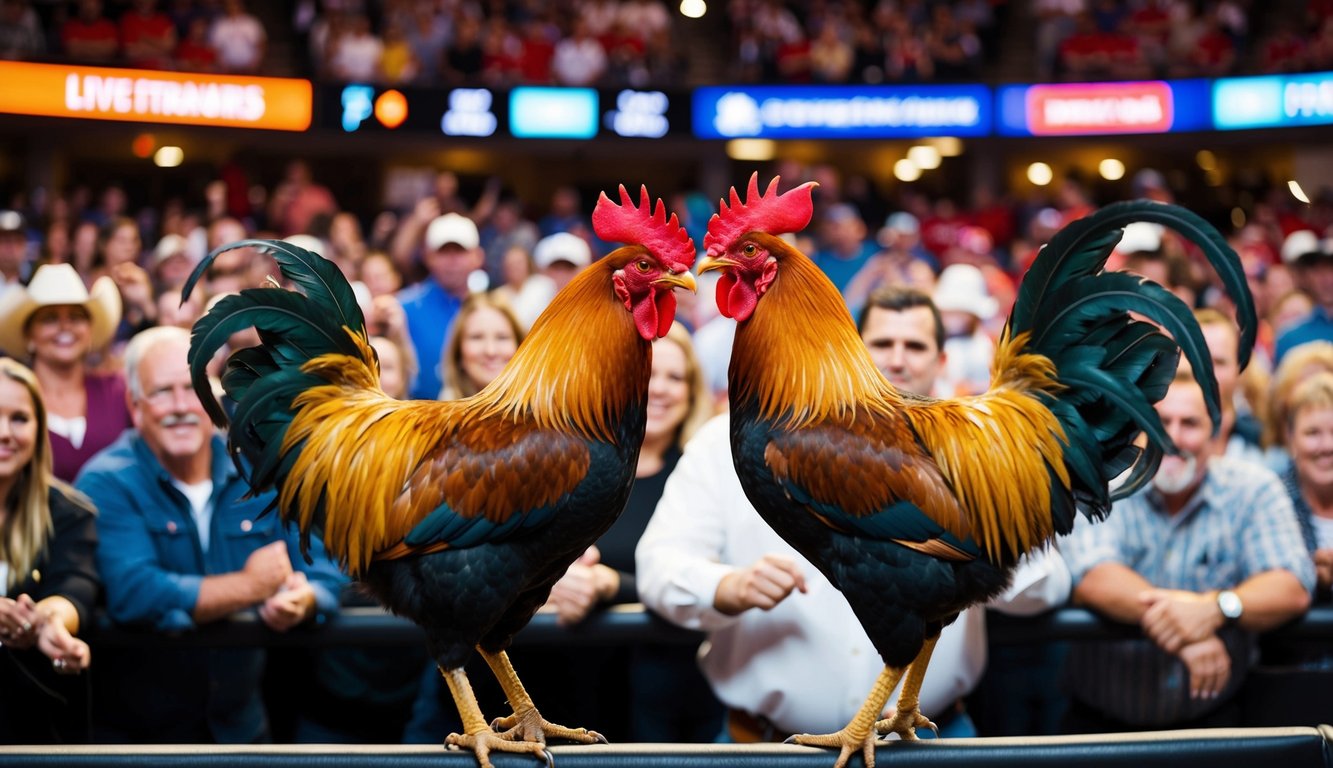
(107, 416)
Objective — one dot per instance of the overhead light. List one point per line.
(1040, 174)
(168, 157)
(1111, 169)
(924, 156)
(693, 9)
(755, 150)
(1207, 160)
(906, 170)
(948, 146)
(1297, 192)
(143, 145)
(1213, 178)
(1237, 217)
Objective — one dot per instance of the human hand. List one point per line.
(586, 583)
(268, 568)
(136, 289)
(1209, 667)
(762, 584)
(1176, 618)
(1323, 567)
(68, 654)
(19, 620)
(293, 604)
(426, 210)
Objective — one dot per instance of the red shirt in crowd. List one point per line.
(80, 37)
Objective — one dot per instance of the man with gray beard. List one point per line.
(182, 545)
(1203, 559)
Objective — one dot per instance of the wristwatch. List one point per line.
(1229, 603)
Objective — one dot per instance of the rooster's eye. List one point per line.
(643, 266)
(750, 249)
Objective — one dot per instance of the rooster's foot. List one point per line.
(845, 742)
(483, 742)
(905, 724)
(529, 726)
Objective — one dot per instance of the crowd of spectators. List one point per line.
(1113, 39)
(450, 286)
(613, 43)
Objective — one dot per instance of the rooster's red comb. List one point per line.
(770, 212)
(641, 225)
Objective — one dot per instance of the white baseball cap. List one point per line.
(452, 228)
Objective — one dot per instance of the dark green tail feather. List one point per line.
(263, 381)
(1116, 367)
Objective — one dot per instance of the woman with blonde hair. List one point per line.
(48, 577)
(59, 323)
(484, 337)
(1298, 365)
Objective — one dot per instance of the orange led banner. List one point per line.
(138, 95)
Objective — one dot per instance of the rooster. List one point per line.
(917, 508)
(457, 515)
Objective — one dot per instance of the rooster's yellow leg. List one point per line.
(527, 724)
(860, 732)
(908, 716)
(477, 736)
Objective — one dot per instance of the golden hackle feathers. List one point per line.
(359, 446)
(367, 450)
(823, 370)
(562, 383)
(998, 450)
(992, 450)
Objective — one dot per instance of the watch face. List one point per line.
(1230, 604)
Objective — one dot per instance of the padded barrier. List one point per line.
(619, 625)
(1220, 748)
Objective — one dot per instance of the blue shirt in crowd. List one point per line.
(152, 565)
(430, 311)
(1317, 327)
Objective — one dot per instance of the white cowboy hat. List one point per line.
(54, 285)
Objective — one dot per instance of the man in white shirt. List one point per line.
(785, 653)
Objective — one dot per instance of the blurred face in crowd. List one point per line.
(13, 248)
(1185, 418)
(393, 377)
(170, 310)
(1317, 277)
(668, 390)
(516, 266)
(450, 265)
(166, 410)
(18, 428)
(1222, 341)
(902, 346)
(122, 244)
(379, 275)
(60, 335)
(487, 344)
(1310, 440)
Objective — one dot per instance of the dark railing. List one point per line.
(619, 625)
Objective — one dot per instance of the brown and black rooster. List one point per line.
(457, 515)
(918, 508)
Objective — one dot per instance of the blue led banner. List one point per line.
(841, 112)
(1273, 101)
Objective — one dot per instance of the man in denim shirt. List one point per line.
(180, 546)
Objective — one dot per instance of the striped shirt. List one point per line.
(1238, 524)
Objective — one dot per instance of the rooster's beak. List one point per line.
(679, 280)
(711, 264)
